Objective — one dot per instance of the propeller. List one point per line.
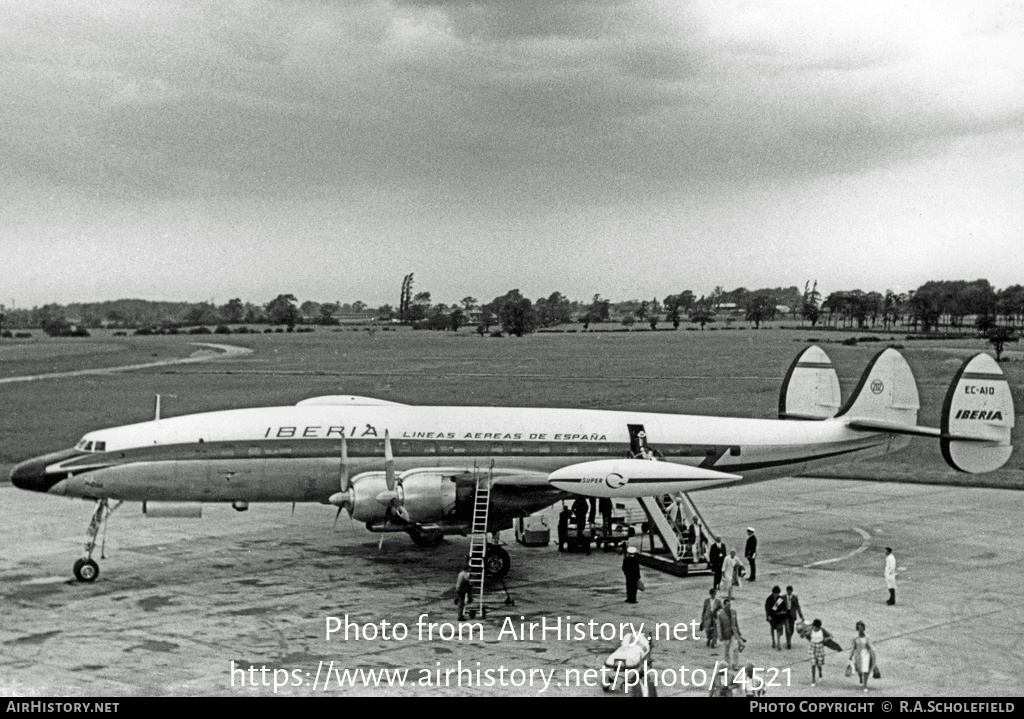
(343, 498)
(393, 497)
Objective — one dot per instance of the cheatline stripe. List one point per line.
(982, 375)
(815, 365)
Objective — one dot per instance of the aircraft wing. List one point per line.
(635, 478)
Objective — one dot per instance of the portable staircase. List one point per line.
(478, 533)
(670, 557)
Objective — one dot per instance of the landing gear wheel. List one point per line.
(86, 570)
(427, 541)
(496, 563)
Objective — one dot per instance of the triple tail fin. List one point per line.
(886, 393)
(977, 417)
(811, 387)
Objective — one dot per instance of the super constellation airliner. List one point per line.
(412, 469)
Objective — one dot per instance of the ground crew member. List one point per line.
(463, 591)
(890, 574)
(631, 568)
(751, 552)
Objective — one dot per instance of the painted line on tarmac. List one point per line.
(863, 547)
(226, 351)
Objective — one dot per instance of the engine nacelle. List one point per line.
(427, 495)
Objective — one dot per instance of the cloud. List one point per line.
(559, 101)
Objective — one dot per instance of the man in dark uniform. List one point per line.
(631, 568)
(579, 509)
(606, 514)
(563, 528)
(716, 555)
(751, 553)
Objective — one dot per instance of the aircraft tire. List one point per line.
(496, 562)
(86, 570)
(427, 541)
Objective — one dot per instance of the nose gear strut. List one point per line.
(86, 569)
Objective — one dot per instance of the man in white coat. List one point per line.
(890, 574)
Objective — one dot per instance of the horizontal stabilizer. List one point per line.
(977, 417)
(811, 387)
(635, 478)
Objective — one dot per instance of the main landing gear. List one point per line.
(496, 563)
(86, 569)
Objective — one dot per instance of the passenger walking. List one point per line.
(793, 611)
(709, 618)
(716, 556)
(862, 658)
(890, 574)
(729, 633)
(817, 637)
(730, 572)
(775, 614)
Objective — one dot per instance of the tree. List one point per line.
(310, 309)
(599, 309)
(358, 306)
(759, 309)
(405, 298)
(515, 313)
(327, 312)
(999, 336)
(468, 303)
(456, 319)
(233, 312)
(676, 305)
(554, 310)
(282, 311)
(702, 316)
(810, 306)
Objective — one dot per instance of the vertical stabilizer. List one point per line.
(886, 392)
(811, 387)
(977, 417)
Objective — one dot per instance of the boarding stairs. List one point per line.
(478, 533)
(674, 556)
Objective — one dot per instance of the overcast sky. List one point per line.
(197, 150)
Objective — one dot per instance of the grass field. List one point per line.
(729, 373)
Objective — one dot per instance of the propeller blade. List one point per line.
(340, 507)
(389, 462)
(344, 465)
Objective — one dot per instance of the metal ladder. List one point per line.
(478, 532)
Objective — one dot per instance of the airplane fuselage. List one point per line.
(291, 454)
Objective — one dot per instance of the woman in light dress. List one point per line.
(862, 658)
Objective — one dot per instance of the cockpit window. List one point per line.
(100, 446)
(88, 446)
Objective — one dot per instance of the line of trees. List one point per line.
(935, 305)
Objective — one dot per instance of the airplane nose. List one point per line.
(31, 474)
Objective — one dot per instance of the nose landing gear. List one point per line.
(86, 569)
